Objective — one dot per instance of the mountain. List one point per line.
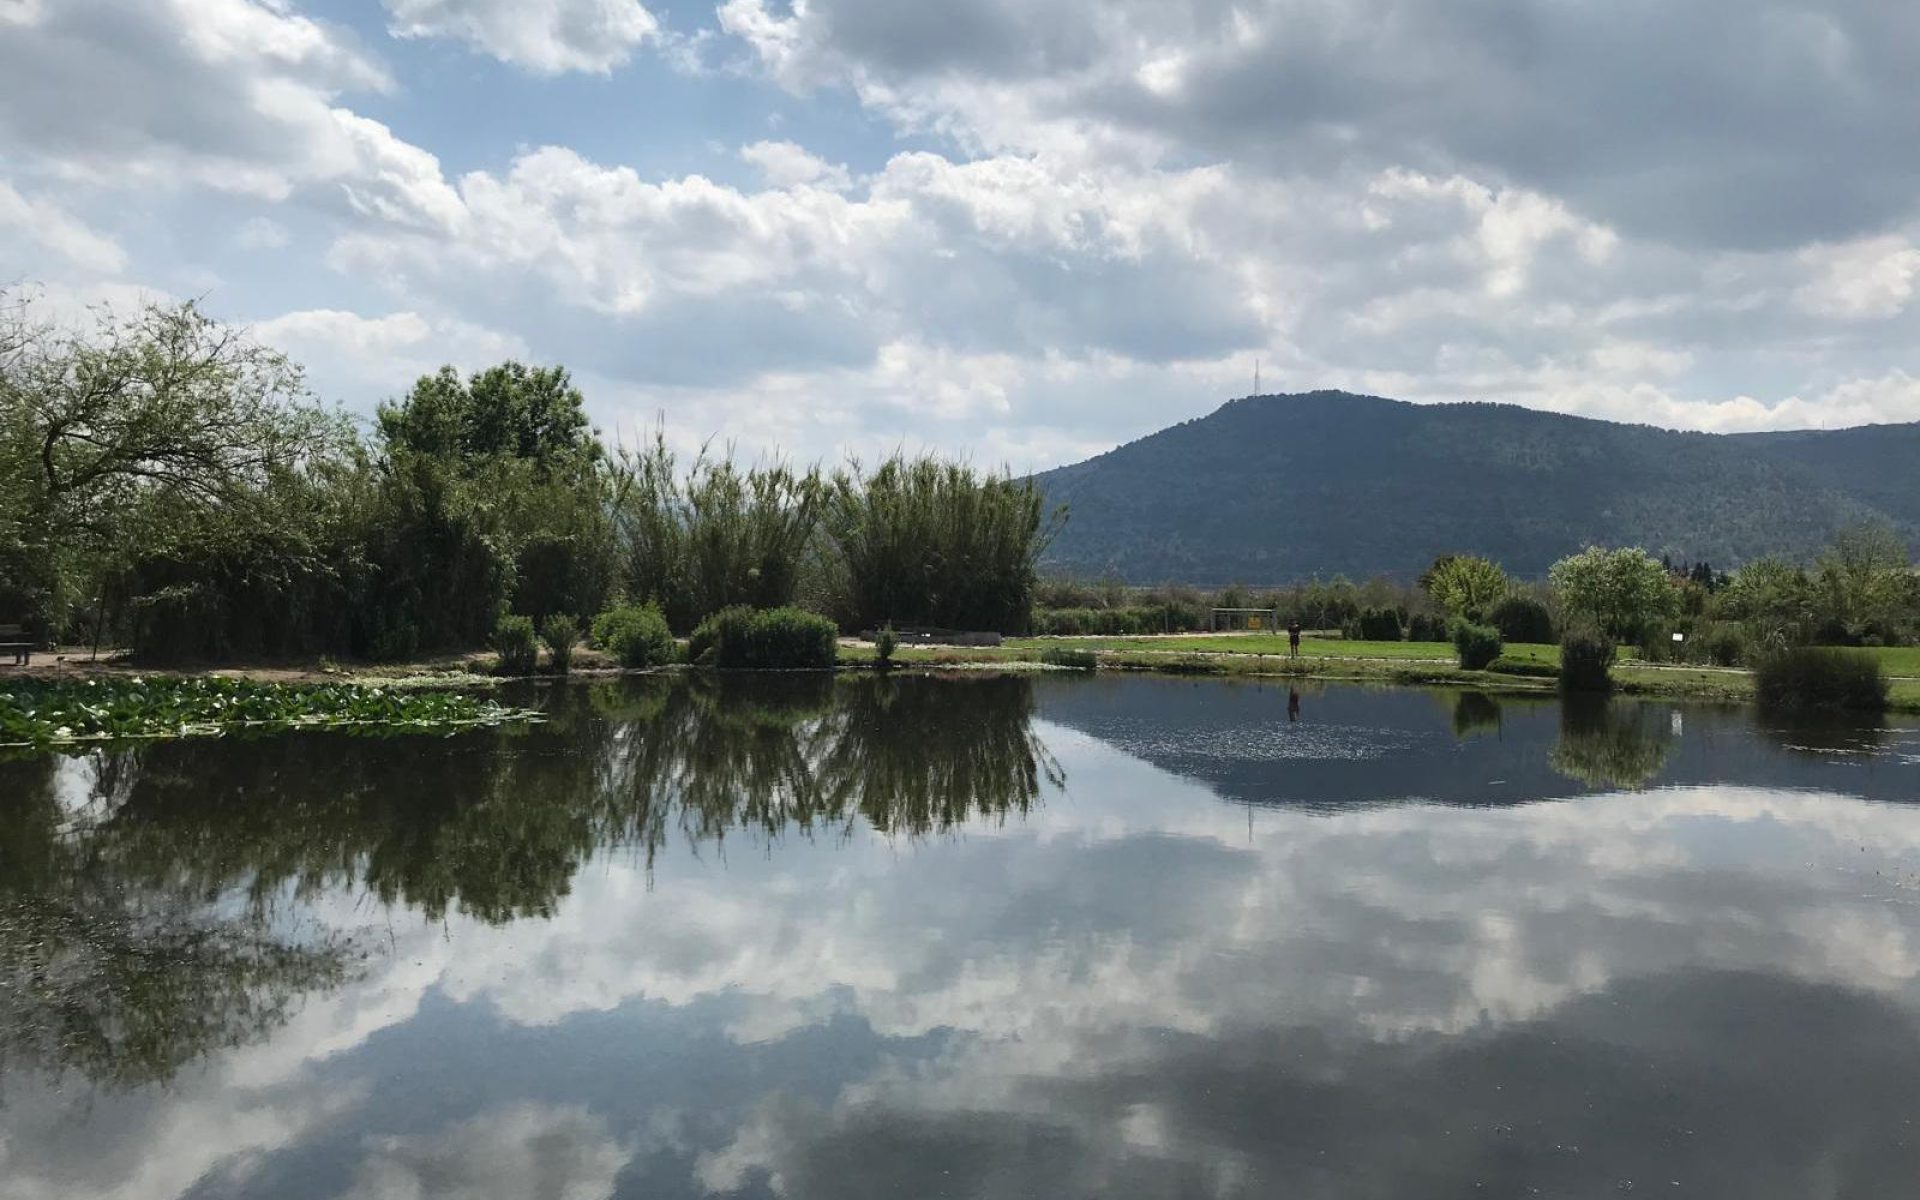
(1271, 489)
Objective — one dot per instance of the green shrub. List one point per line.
(1110, 622)
(1723, 644)
(703, 645)
(1377, 625)
(1523, 667)
(561, 634)
(884, 645)
(1426, 627)
(636, 635)
(1820, 679)
(1477, 645)
(518, 648)
(1078, 660)
(1586, 660)
(764, 639)
(1522, 619)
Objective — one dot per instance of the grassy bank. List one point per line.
(1409, 663)
(1385, 663)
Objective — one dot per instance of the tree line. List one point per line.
(1862, 590)
(168, 483)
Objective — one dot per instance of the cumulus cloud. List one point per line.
(788, 164)
(260, 233)
(235, 95)
(1870, 278)
(1101, 217)
(47, 226)
(702, 282)
(372, 358)
(1623, 115)
(545, 36)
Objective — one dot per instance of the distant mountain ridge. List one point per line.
(1271, 489)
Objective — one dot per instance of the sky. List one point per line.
(1023, 231)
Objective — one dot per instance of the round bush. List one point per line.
(1586, 660)
(1478, 645)
(636, 635)
(1522, 619)
(1723, 644)
(1378, 625)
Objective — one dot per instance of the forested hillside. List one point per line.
(1277, 488)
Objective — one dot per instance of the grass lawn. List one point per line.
(1383, 662)
(1258, 643)
(1243, 643)
(1898, 660)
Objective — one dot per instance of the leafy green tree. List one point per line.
(506, 411)
(163, 433)
(1625, 592)
(1774, 600)
(1861, 584)
(496, 497)
(1465, 585)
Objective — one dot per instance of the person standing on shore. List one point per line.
(1293, 638)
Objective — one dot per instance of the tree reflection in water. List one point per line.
(1475, 713)
(1618, 745)
(143, 920)
(911, 756)
(127, 980)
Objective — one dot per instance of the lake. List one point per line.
(977, 936)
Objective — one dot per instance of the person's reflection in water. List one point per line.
(1293, 704)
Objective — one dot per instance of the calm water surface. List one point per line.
(980, 937)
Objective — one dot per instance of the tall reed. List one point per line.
(713, 536)
(933, 543)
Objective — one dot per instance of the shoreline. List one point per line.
(1717, 685)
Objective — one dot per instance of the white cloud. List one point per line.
(236, 95)
(260, 233)
(364, 359)
(46, 225)
(545, 36)
(1871, 278)
(1137, 200)
(787, 164)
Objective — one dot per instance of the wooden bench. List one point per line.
(17, 639)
